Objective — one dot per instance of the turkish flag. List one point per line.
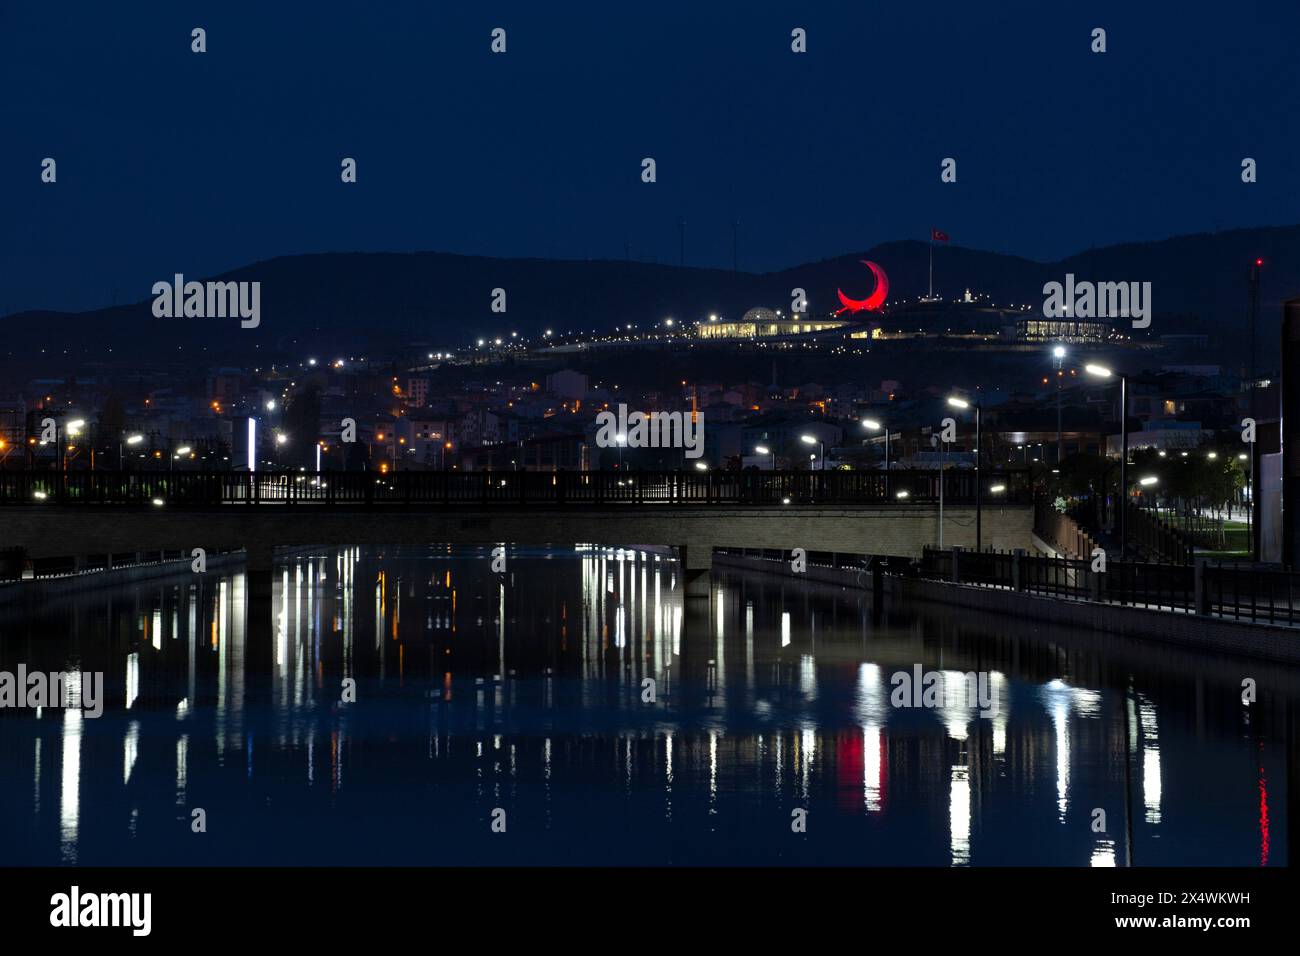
(938, 235)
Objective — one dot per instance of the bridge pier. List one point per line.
(696, 561)
(259, 626)
(695, 649)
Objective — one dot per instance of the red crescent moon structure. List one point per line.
(872, 302)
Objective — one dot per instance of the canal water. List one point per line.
(427, 707)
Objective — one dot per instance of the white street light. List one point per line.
(1148, 481)
(1102, 372)
(821, 448)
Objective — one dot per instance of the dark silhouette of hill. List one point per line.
(346, 303)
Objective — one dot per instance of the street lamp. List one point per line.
(764, 450)
(1100, 371)
(956, 402)
(130, 440)
(1058, 354)
(875, 426)
(821, 448)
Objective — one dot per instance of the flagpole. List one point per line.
(931, 295)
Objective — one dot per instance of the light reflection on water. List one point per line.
(527, 691)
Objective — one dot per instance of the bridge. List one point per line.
(93, 515)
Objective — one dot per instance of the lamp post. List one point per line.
(936, 441)
(1250, 504)
(875, 426)
(130, 440)
(74, 428)
(1058, 354)
(764, 450)
(821, 448)
(1102, 372)
(956, 402)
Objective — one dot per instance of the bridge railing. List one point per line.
(567, 488)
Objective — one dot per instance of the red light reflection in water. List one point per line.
(1263, 812)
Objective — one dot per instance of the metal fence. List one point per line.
(1248, 592)
(1266, 595)
(575, 488)
(1263, 595)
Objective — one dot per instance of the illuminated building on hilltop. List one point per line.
(762, 323)
(1038, 328)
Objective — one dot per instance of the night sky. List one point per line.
(171, 161)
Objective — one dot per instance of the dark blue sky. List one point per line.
(169, 161)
